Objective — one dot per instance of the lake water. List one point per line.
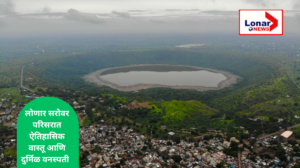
(163, 75)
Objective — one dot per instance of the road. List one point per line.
(275, 133)
(21, 83)
(292, 79)
(239, 157)
(294, 126)
(278, 132)
(88, 149)
(282, 130)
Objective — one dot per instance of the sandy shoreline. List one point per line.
(95, 78)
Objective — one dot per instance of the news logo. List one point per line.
(260, 22)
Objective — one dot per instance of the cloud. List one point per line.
(262, 3)
(137, 11)
(191, 9)
(75, 15)
(113, 21)
(46, 9)
(121, 14)
(1, 23)
(223, 13)
(56, 14)
(298, 16)
(297, 6)
(173, 10)
(7, 7)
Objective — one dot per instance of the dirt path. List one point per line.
(21, 83)
(278, 132)
(127, 119)
(240, 162)
(3, 94)
(287, 73)
(80, 120)
(292, 79)
(88, 149)
(41, 49)
(275, 133)
(294, 126)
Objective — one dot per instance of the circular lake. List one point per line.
(133, 78)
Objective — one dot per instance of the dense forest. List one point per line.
(261, 81)
(263, 89)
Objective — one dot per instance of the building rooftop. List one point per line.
(287, 134)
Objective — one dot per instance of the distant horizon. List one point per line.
(19, 18)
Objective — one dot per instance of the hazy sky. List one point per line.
(56, 17)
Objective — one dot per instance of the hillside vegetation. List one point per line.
(262, 84)
(190, 113)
